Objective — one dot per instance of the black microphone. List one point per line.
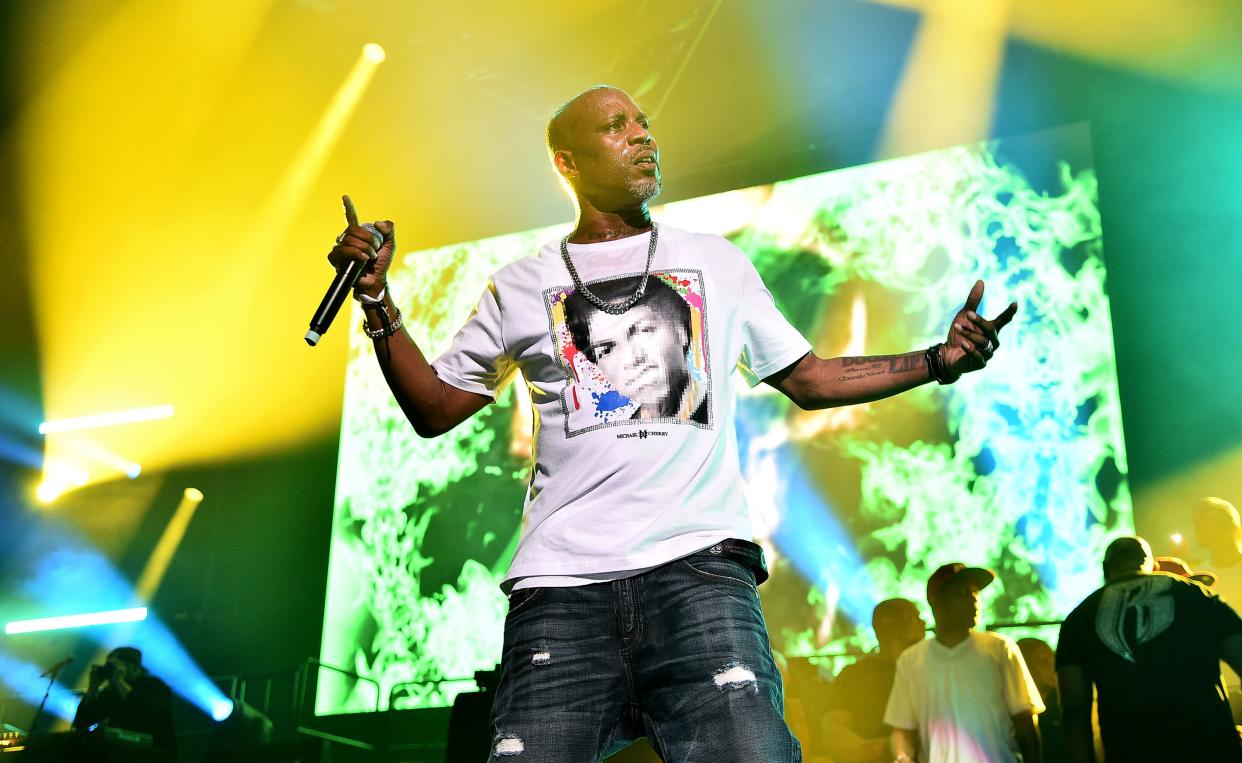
(335, 296)
(57, 667)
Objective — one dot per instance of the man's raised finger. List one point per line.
(1003, 319)
(351, 214)
(976, 294)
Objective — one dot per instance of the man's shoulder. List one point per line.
(1085, 609)
(915, 653)
(708, 243)
(991, 640)
(530, 265)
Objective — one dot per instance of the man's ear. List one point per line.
(564, 161)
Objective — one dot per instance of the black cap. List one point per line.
(954, 571)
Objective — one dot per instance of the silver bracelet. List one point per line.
(389, 328)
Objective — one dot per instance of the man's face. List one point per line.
(612, 155)
(909, 627)
(121, 670)
(957, 605)
(643, 354)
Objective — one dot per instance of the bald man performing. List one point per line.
(632, 594)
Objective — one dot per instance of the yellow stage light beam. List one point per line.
(947, 92)
(153, 573)
(157, 564)
(163, 190)
(59, 478)
(1162, 509)
(288, 195)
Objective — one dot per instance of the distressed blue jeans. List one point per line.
(679, 653)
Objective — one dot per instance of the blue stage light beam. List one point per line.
(164, 656)
(69, 579)
(19, 411)
(809, 532)
(22, 679)
(20, 453)
(818, 545)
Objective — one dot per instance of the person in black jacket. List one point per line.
(123, 694)
(1145, 632)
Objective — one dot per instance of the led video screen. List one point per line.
(1020, 468)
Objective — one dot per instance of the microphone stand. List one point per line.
(51, 679)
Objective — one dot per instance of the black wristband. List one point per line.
(935, 365)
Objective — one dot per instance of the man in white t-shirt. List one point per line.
(963, 696)
(633, 607)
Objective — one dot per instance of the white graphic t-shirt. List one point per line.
(636, 459)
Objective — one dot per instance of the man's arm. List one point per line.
(432, 405)
(1076, 703)
(1231, 652)
(844, 744)
(1026, 733)
(905, 742)
(815, 382)
(94, 707)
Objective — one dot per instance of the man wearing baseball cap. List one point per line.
(1175, 565)
(964, 696)
(1144, 632)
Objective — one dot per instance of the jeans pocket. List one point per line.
(522, 597)
(720, 569)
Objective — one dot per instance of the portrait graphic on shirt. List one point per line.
(648, 364)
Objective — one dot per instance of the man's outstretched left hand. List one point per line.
(972, 338)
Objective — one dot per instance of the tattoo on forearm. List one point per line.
(862, 374)
(878, 365)
(900, 364)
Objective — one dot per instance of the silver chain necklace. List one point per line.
(612, 308)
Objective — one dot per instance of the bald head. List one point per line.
(1127, 555)
(566, 121)
(600, 143)
(1217, 512)
(897, 624)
